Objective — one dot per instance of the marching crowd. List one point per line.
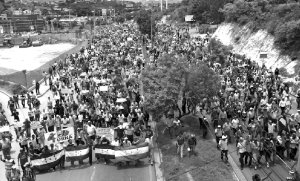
(96, 87)
(254, 109)
(99, 87)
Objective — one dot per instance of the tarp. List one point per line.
(62, 135)
(118, 154)
(46, 162)
(77, 153)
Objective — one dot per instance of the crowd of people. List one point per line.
(95, 88)
(99, 87)
(254, 109)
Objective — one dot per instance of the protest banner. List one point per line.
(35, 125)
(108, 132)
(62, 135)
(103, 88)
(77, 153)
(44, 163)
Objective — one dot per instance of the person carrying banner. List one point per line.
(105, 141)
(29, 174)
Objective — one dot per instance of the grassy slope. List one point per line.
(208, 164)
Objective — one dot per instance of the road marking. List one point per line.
(93, 174)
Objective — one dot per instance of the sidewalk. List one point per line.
(4, 97)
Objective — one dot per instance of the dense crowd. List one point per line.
(98, 87)
(254, 109)
(95, 88)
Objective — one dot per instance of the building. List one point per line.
(22, 23)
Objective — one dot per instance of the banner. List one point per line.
(108, 132)
(35, 125)
(62, 135)
(103, 88)
(4, 129)
(122, 153)
(132, 152)
(104, 151)
(46, 162)
(77, 153)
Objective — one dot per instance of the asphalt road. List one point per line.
(96, 172)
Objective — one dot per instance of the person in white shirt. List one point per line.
(241, 149)
(223, 144)
(91, 130)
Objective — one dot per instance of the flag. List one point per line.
(282, 124)
(132, 152)
(105, 151)
(45, 162)
(117, 153)
(77, 153)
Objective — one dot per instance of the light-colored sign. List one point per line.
(4, 129)
(108, 132)
(104, 12)
(62, 135)
(103, 88)
(35, 125)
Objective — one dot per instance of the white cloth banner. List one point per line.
(77, 153)
(62, 135)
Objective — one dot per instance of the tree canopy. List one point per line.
(172, 80)
(145, 21)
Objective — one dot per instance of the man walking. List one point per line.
(180, 144)
(192, 142)
(223, 144)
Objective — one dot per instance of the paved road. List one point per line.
(96, 172)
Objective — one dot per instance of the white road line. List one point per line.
(93, 174)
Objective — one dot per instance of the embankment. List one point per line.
(254, 45)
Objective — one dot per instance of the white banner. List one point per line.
(131, 152)
(103, 88)
(4, 129)
(62, 135)
(108, 132)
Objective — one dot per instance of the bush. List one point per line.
(18, 89)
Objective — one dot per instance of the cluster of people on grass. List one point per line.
(253, 109)
(95, 88)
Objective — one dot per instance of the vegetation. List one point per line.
(170, 85)
(145, 22)
(279, 17)
(206, 166)
(205, 12)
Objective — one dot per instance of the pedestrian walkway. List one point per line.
(4, 97)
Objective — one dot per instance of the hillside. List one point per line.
(251, 44)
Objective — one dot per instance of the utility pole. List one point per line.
(166, 4)
(161, 5)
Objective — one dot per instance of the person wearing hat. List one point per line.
(192, 142)
(256, 177)
(218, 134)
(223, 145)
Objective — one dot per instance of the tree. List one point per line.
(172, 82)
(203, 83)
(145, 22)
(164, 84)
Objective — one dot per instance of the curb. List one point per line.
(157, 156)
